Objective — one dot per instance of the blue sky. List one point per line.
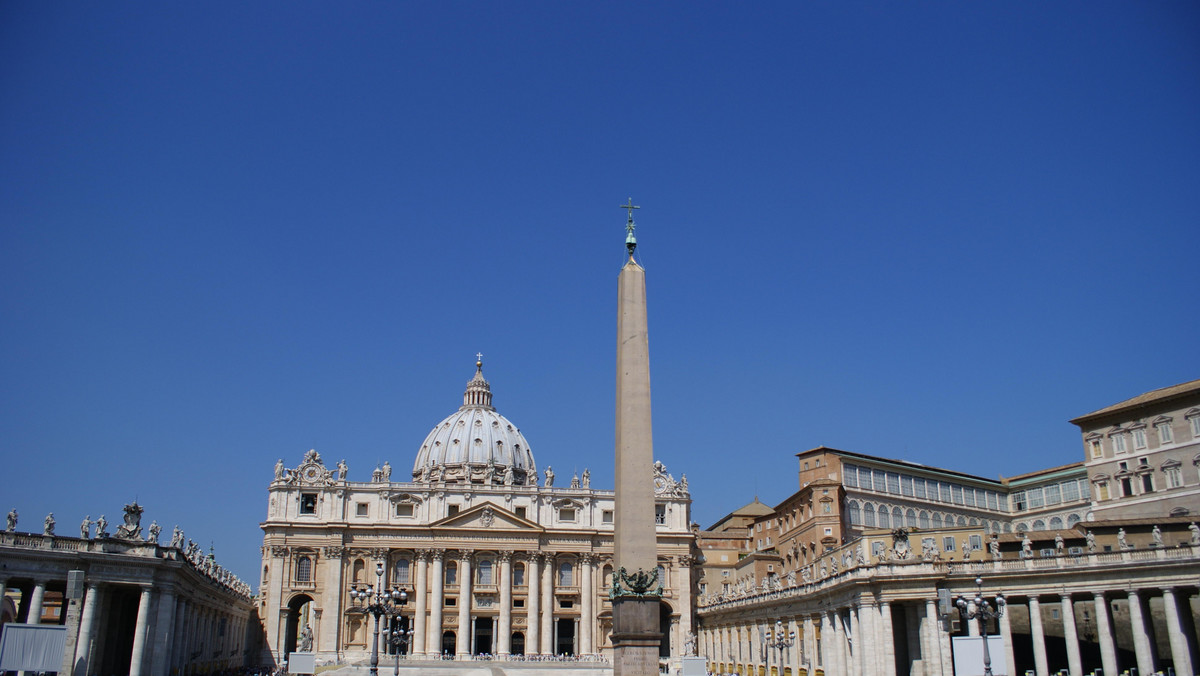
(231, 232)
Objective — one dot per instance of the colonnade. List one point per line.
(902, 634)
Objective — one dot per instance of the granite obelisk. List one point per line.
(636, 590)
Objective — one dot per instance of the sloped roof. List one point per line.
(1153, 396)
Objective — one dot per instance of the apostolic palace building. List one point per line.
(496, 558)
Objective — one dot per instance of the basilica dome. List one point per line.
(475, 444)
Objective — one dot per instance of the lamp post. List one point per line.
(781, 642)
(983, 612)
(398, 638)
(378, 601)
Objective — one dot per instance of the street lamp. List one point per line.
(398, 638)
(983, 611)
(378, 601)
(781, 643)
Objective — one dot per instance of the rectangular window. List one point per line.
(877, 548)
(1118, 443)
(993, 501)
(1097, 448)
(1018, 501)
(944, 490)
(956, 494)
(451, 601)
(850, 476)
(1195, 421)
(1053, 496)
(606, 516)
(880, 480)
(1139, 438)
(518, 603)
(404, 510)
(1147, 483)
(1174, 477)
(919, 488)
(976, 542)
(893, 483)
(1075, 551)
(518, 573)
(660, 516)
(1070, 491)
(948, 543)
(361, 509)
(452, 510)
(520, 511)
(1085, 490)
(566, 514)
(969, 496)
(906, 485)
(1102, 491)
(308, 503)
(1164, 431)
(1035, 498)
(566, 605)
(1045, 553)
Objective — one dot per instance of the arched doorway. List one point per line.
(518, 643)
(299, 615)
(664, 627)
(449, 643)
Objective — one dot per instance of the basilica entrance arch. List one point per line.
(664, 627)
(299, 614)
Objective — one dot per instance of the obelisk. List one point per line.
(636, 591)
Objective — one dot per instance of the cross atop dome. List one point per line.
(479, 392)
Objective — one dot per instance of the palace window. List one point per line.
(565, 574)
(919, 488)
(1139, 437)
(1119, 443)
(948, 543)
(879, 480)
(402, 568)
(1193, 418)
(910, 518)
(484, 574)
(518, 574)
(937, 520)
(924, 519)
(906, 485)
(893, 483)
(304, 569)
(1102, 490)
(1036, 498)
(1053, 495)
(1173, 475)
(869, 515)
(1096, 447)
(1056, 523)
(1070, 491)
(883, 517)
(853, 511)
(451, 574)
(1126, 487)
(1018, 501)
(976, 542)
(897, 518)
(1164, 431)
(944, 490)
(850, 476)
(1147, 483)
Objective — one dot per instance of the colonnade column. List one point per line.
(1074, 660)
(929, 651)
(1006, 636)
(504, 640)
(533, 603)
(548, 647)
(162, 635)
(83, 644)
(885, 639)
(463, 643)
(1141, 637)
(35, 602)
(1108, 650)
(433, 644)
(136, 664)
(1038, 636)
(588, 594)
(1180, 653)
(419, 640)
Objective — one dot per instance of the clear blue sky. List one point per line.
(232, 232)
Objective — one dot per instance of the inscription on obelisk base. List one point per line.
(636, 591)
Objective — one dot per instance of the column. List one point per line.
(35, 603)
(1006, 634)
(87, 626)
(137, 660)
(856, 642)
(929, 628)
(504, 640)
(793, 660)
(420, 619)
(1074, 660)
(161, 648)
(1108, 649)
(1038, 636)
(1141, 636)
(809, 649)
(885, 639)
(533, 603)
(433, 645)
(839, 641)
(587, 596)
(1180, 655)
(464, 605)
(548, 647)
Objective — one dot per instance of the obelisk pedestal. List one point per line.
(636, 590)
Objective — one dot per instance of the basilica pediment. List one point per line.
(486, 516)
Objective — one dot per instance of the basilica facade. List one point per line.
(496, 559)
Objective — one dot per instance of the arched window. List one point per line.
(1039, 525)
(606, 575)
(1072, 520)
(973, 522)
(485, 572)
(1056, 523)
(995, 526)
(402, 568)
(303, 569)
(851, 509)
(911, 518)
(962, 520)
(518, 574)
(924, 519)
(451, 574)
(869, 515)
(360, 567)
(662, 576)
(565, 574)
(937, 520)
(897, 518)
(883, 517)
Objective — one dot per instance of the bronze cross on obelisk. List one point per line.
(630, 239)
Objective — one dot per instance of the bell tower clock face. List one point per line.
(310, 473)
